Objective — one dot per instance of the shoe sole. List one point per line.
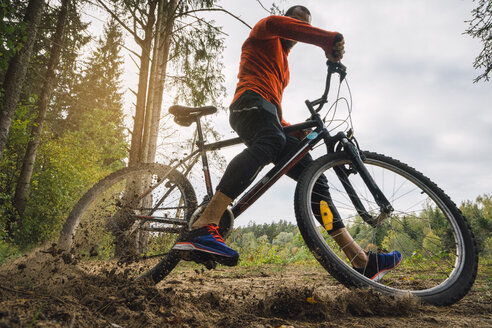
(382, 273)
(190, 252)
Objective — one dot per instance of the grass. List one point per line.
(8, 251)
(484, 276)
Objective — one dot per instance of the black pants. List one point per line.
(260, 129)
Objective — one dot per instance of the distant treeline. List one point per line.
(270, 230)
(281, 242)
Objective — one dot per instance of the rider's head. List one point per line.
(300, 13)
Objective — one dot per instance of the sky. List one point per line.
(410, 71)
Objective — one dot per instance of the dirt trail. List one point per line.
(41, 290)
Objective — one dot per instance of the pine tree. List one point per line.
(98, 99)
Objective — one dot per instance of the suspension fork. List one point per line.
(384, 205)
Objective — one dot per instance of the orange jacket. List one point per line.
(264, 67)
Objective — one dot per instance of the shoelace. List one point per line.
(214, 231)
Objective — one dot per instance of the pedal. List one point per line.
(211, 264)
(203, 258)
(184, 255)
(198, 257)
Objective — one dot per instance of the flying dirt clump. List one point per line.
(307, 303)
(42, 287)
(367, 302)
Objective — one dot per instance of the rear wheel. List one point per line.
(439, 253)
(135, 214)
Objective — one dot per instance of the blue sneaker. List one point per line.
(205, 244)
(379, 264)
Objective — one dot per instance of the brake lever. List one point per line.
(339, 68)
(342, 71)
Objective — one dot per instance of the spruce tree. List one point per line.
(98, 99)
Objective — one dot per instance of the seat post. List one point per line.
(206, 171)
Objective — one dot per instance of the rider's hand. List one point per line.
(337, 50)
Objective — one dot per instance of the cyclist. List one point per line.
(256, 116)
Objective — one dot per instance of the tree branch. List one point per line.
(200, 20)
(215, 9)
(144, 15)
(129, 50)
(134, 21)
(210, 25)
(134, 33)
(262, 6)
(135, 18)
(135, 62)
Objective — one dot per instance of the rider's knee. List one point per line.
(269, 148)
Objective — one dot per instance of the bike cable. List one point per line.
(333, 110)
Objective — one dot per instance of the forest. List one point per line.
(66, 123)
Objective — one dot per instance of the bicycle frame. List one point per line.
(320, 133)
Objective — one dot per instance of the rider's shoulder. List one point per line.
(266, 27)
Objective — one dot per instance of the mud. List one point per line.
(44, 290)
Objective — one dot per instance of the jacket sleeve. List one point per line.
(293, 29)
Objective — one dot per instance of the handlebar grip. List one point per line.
(338, 38)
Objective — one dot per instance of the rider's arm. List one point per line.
(293, 29)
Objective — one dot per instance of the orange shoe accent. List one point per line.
(214, 230)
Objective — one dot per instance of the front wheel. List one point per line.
(440, 257)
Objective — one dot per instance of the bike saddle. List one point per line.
(184, 115)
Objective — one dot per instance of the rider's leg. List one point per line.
(265, 139)
(357, 256)
(371, 265)
(350, 247)
(239, 174)
(214, 210)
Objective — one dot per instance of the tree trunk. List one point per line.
(150, 93)
(24, 180)
(16, 72)
(138, 125)
(164, 45)
(124, 242)
(154, 97)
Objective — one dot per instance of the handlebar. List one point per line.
(332, 68)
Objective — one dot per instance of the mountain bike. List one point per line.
(384, 203)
